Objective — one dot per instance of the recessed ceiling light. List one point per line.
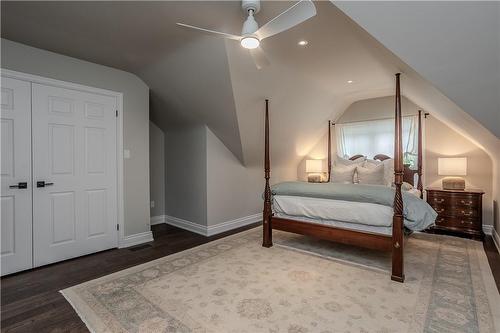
(350, 81)
(303, 43)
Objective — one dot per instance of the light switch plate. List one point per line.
(126, 153)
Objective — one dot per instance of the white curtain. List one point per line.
(373, 137)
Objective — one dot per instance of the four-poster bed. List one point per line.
(393, 240)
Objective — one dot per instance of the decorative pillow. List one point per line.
(342, 161)
(371, 163)
(373, 176)
(406, 186)
(388, 171)
(342, 174)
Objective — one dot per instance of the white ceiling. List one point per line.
(198, 79)
(454, 45)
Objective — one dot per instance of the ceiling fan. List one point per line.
(252, 35)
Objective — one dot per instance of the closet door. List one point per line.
(74, 163)
(16, 184)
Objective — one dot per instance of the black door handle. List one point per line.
(43, 184)
(20, 185)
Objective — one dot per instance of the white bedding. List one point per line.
(347, 214)
(333, 210)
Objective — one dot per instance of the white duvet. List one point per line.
(335, 210)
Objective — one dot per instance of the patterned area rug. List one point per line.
(300, 285)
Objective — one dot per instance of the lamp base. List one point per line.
(314, 178)
(453, 183)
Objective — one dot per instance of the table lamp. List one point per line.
(314, 170)
(452, 166)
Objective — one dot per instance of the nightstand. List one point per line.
(459, 212)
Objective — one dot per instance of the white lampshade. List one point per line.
(314, 166)
(452, 166)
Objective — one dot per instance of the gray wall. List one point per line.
(22, 58)
(233, 190)
(186, 174)
(157, 170)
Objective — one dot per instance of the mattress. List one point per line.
(325, 210)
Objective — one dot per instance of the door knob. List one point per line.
(20, 185)
(43, 184)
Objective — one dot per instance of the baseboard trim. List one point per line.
(186, 225)
(136, 239)
(488, 229)
(210, 230)
(157, 219)
(496, 239)
(233, 224)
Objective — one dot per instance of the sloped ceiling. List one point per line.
(453, 44)
(199, 79)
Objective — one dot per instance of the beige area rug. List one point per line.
(301, 285)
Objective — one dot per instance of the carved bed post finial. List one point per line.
(267, 240)
(420, 185)
(397, 224)
(329, 149)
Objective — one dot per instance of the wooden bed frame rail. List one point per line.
(393, 243)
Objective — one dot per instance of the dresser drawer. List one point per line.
(453, 199)
(456, 211)
(458, 223)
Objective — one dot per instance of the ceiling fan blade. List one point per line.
(298, 13)
(259, 58)
(211, 32)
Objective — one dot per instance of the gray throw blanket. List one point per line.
(417, 213)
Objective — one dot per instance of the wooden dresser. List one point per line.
(459, 212)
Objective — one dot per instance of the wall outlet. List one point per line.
(126, 153)
(152, 204)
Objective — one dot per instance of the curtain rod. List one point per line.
(365, 121)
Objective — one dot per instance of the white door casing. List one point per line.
(16, 208)
(74, 152)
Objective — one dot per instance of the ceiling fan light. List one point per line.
(250, 42)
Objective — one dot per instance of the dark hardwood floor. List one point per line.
(31, 302)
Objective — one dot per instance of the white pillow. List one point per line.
(388, 171)
(373, 176)
(371, 163)
(342, 161)
(342, 174)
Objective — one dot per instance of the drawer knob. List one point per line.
(465, 202)
(438, 200)
(469, 213)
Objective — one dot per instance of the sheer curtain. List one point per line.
(373, 137)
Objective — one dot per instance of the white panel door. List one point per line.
(74, 173)
(16, 187)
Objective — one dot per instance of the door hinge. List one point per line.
(117, 227)
(116, 113)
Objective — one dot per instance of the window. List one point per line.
(370, 138)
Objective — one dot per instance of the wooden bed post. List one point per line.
(329, 150)
(420, 185)
(397, 220)
(267, 239)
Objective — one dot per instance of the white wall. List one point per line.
(157, 170)
(233, 191)
(22, 58)
(439, 141)
(442, 141)
(457, 50)
(186, 175)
